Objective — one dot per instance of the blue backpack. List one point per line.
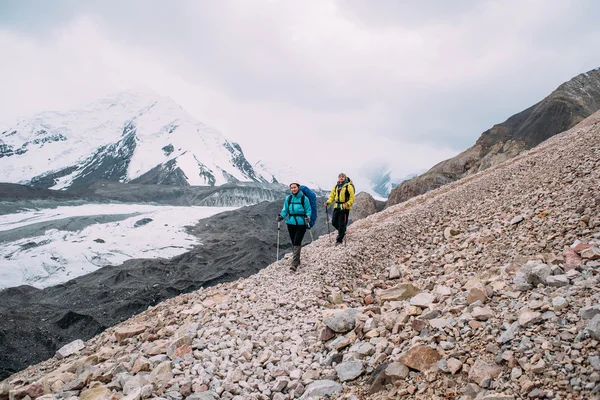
(312, 198)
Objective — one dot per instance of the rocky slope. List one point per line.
(569, 104)
(234, 244)
(486, 288)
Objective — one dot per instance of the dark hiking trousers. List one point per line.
(296, 234)
(339, 220)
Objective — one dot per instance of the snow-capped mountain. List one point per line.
(283, 173)
(129, 137)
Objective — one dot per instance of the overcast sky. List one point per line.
(323, 85)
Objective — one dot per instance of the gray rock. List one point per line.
(431, 314)
(595, 362)
(342, 321)
(439, 323)
(509, 334)
(396, 371)
(517, 220)
(349, 371)
(482, 313)
(589, 312)
(321, 388)
(394, 272)
(557, 280)
(70, 348)
(208, 395)
(539, 273)
(422, 300)
(593, 328)
(559, 303)
(366, 349)
(142, 222)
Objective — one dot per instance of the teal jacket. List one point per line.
(296, 211)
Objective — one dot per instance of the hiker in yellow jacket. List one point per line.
(342, 198)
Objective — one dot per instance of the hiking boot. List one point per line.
(296, 257)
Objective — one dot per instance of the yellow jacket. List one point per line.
(342, 197)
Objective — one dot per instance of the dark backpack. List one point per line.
(347, 194)
(346, 190)
(312, 199)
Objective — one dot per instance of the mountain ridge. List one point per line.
(565, 107)
(128, 137)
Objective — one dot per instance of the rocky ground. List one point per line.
(486, 288)
(34, 323)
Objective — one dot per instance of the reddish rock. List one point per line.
(182, 351)
(477, 294)
(127, 332)
(592, 253)
(140, 365)
(418, 324)
(325, 333)
(572, 259)
(34, 390)
(578, 248)
(420, 357)
(369, 299)
(186, 389)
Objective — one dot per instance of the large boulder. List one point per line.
(365, 205)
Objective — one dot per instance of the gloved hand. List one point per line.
(279, 218)
(307, 220)
(326, 204)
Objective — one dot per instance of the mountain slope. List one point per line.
(569, 104)
(477, 290)
(129, 137)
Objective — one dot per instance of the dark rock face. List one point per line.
(142, 222)
(239, 161)
(108, 163)
(365, 205)
(164, 174)
(564, 108)
(14, 192)
(43, 137)
(168, 149)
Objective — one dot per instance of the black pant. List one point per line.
(339, 220)
(296, 234)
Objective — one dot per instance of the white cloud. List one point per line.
(326, 86)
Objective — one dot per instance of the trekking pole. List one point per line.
(278, 230)
(346, 224)
(327, 216)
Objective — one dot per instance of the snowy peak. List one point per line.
(280, 172)
(124, 138)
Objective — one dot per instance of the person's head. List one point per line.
(342, 178)
(294, 187)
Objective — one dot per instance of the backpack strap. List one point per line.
(301, 203)
(347, 194)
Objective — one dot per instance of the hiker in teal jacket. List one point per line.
(296, 211)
